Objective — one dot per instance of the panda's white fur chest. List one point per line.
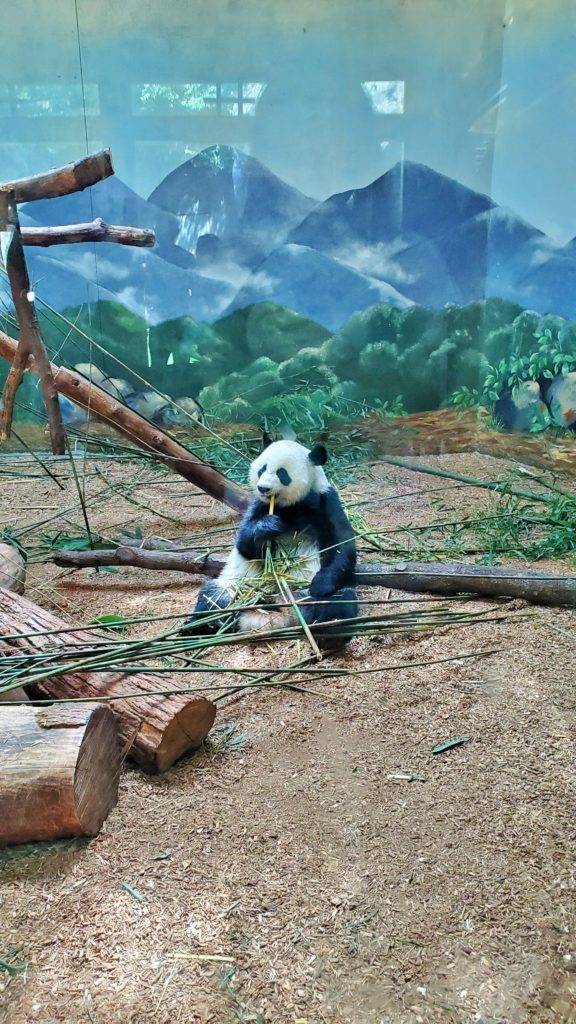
(302, 552)
(284, 470)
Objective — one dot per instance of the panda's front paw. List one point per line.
(269, 528)
(322, 586)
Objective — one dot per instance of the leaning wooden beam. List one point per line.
(30, 343)
(158, 729)
(62, 180)
(59, 771)
(138, 430)
(95, 231)
(416, 577)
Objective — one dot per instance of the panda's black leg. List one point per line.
(205, 619)
(340, 606)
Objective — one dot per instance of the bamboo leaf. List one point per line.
(450, 744)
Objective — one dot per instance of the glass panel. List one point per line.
(56, 99)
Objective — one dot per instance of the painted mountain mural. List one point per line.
(230, 233)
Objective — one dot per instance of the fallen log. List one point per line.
(138, 430)
(61, 181)
(416, 577)
(59, 770)
(94, 231)
(158, 730)
(142, 558)
(481, 580)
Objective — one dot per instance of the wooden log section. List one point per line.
(12, 568)
(415, 577)
(30, 343)
(62, 180)
(159, 729)
(95, 231)
(59, 771)
(139, 431)
(481, 580)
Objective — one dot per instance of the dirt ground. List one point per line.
(287, 873)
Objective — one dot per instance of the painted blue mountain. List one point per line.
(116, 203)
(438, 241)
(410, 203)
(69, 275)
(230, 233)
(244, 208)
(315, 286)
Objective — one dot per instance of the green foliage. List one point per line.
(267, 361)
(553, 352)
(266, 329)
(122, 333)
(464, 398)
(60, 541)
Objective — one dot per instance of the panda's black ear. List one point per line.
(318, 455)
(266, 440)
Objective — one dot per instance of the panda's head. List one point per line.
(288, 470)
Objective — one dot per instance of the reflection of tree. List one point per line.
(231, 99)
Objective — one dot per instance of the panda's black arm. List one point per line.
(256, 529)
(337, 548)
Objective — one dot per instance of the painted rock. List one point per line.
(117, 387)
(561, 400)
(522, 409)
(91, 371)
(72, 415)
(159, 410)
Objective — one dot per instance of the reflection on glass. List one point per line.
(55, 99)
(229, 99)
(385, 97)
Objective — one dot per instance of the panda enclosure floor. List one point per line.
(338, 892)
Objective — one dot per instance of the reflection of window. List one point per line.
(53, 99)
(385, 97)
(230, 99)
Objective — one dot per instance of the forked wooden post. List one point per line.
(60, 182)
(31, 343)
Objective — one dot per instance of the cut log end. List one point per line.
(186, 732)
(97, 772)
(59, 771)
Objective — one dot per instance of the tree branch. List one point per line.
(95, 231)
(62, 180)
(30, 337)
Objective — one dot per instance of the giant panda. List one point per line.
(309, 522)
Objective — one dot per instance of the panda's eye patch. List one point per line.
(283, 477)
(261, 470)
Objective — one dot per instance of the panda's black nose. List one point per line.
(263, 489)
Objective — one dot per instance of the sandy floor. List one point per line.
(287, 873)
